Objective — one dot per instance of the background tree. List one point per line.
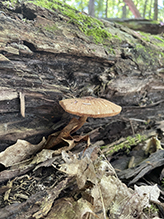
(124, 10)
(133, 8)
(144, 11)
(156, 10)
(91, 8)
(106, 9)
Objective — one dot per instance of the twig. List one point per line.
(132, 127)
(22, 103)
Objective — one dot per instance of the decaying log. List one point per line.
(140, 24)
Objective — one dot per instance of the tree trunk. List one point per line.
(133, 8)
(151, 2)
(124, 11)
(144, 12)
(91, 8)
(155, 10)
(106, 9)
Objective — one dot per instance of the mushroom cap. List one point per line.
(90, 107)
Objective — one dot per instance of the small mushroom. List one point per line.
(89, 107)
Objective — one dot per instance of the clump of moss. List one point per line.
(127, 144)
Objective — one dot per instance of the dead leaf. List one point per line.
(152, 145)
(147, 194)
(42, 156)
(82, 169)
(21, 150)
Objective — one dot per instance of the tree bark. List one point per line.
(106, 9)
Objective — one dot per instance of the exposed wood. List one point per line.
(34, 202)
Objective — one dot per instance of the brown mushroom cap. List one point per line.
(90, 107)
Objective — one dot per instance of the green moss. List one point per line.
(158, 38)
(90, 26)
(160, 41)
(151, 38)
(147, 52)
(145, 36)
(127, 144)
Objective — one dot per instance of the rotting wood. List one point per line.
(149, 164)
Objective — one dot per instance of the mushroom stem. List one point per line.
(81, 122)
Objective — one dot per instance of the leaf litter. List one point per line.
(107, 190)
(97, 193)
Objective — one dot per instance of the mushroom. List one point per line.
(83, 107)
(89, 107)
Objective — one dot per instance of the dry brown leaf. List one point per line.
(45, 207)
(21, 150)
(42, 156)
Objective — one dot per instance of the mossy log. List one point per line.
(140, 24)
